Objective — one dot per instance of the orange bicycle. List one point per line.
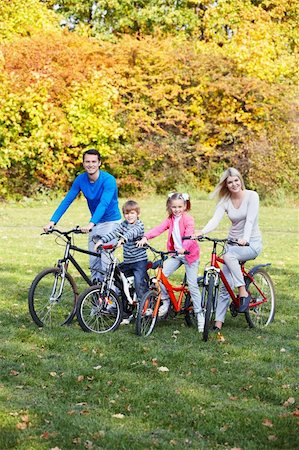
(180, 299)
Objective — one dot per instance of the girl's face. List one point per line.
(233, 184)
(177, 207)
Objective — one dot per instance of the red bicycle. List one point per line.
(180, 299)
(258, 284)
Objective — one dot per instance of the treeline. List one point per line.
(170, 92)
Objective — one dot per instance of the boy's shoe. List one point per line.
(164, 308)
(244, 304)
(200, 321)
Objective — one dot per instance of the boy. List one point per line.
(127, 233)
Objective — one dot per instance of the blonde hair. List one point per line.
(221, 190)
(177, 196)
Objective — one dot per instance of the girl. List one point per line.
(242, 208)
(179, 224)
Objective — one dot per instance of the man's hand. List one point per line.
(87, 228)
(49, 225)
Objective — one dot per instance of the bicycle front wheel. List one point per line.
(262, 304)
(208, 302)
(52, 298)
(99, 312)
(146, 320)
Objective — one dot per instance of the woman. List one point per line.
(242, 207)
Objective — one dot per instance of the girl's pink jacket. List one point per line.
(186, 228)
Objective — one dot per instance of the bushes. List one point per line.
(163, 110)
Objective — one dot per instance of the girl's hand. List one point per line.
(242, 242)
(97, 245)
(181, 251)
(142, 242)
(197, 233)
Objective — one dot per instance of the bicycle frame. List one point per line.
(214, 265)
(171, 290)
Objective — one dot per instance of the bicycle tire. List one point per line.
(208, 302)
(261, 315)
(145, 321)
(98, 312)
(44, 308)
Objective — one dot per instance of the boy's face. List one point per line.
(131, 216)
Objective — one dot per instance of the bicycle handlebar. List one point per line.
(76, 230)
(215, 240)
(162, 253)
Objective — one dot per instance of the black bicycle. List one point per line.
(53, 294)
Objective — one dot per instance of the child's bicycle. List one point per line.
(258, 285)
(180, 299)
(53, 294)
(101, 307)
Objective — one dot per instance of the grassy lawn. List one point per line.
(66, 389)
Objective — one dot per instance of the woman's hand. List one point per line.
(142, 242)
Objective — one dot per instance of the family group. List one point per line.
(240, 204)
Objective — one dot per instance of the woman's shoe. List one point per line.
(244, 304)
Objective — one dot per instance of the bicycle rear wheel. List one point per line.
(262, 292)
(207, 305)
(99, 312)
(52, 298)
(145, 321)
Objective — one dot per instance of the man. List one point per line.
(100, 190)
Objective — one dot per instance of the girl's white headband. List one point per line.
(184, 195)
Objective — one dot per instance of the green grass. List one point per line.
(72, 390)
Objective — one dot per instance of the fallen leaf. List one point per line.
(289, 401)
(272, 437)
(267, 423)
(213, 370)
(163, 369)
(282, 350)
(25, 418)
(220, 337)
(80, 378)
(53, 374)
(22, 425)
(232, 397)
(154, 362)
(296, 413)
(14, 373)
(88, 444)
(45, 435)
(77, 440)
(118, 416)
(97, 367)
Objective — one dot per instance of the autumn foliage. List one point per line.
(163, 108)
